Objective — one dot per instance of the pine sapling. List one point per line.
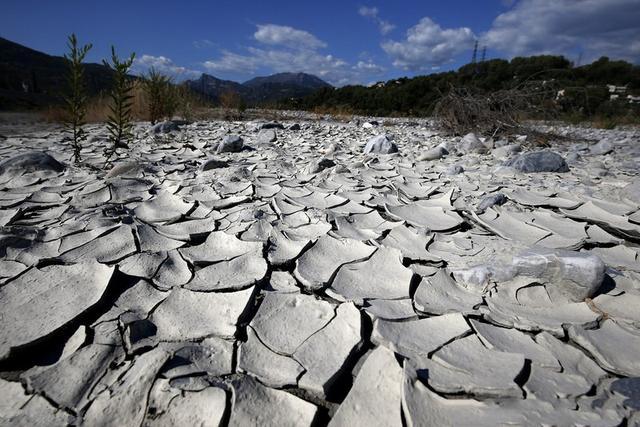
(119, 121)
(161, 100)
(76, 99)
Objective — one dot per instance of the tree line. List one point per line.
(585, 90)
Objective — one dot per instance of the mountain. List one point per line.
(30, 79)
(293, 79)
(260, 89)
(212, 87)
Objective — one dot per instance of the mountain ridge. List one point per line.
(33, 79)
(259, 89)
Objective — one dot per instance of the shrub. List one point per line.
(119, 121)
(76, 99)
(162, 101)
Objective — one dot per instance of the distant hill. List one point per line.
(31, 79)
(260, 89)
(585, 87)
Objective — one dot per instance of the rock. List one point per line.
(538, 161)
(471, 144)
(213, 164)
(272, 125)
(43, 300)
(267, 135)
(230, 144)
(433, 154)
(491, 200)
(320, 165)
(573, 158)
(165, 127)
(380, 144)
(295, 126)
(33, 161)
(454, 170)
(601, 148)
(504, 151)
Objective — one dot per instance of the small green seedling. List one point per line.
(119, 121)
(76, 99)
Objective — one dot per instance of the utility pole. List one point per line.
(484, 53)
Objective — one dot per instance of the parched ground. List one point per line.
(297, 280)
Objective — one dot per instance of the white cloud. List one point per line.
(233, 62)
(596, 27)
(281, 35)
(372, 13)
(370, 66)
(203, 44)
(304, 55)
(164, 65)
(369, 12)
(428, 45)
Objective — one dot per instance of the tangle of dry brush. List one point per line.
(461, 111)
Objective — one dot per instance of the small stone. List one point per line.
(230, 144)
(490, 201)
(164, 127)
(538, 161)
(380, 144)
(434, 153)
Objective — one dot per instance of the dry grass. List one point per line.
(341, 113)
(98, 108)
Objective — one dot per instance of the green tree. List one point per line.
(76, 99)
(119, 122)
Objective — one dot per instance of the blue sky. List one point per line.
(341, 41)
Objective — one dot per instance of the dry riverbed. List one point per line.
(252, 273)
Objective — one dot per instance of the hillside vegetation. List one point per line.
(585, 92)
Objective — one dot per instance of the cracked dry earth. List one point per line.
(290, 279)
